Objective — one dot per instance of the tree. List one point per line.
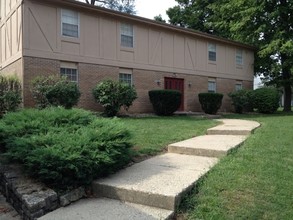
(126, 6)
(266, 24)
(159, 18)
(191, 14)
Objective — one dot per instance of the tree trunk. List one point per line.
(286, 75)
(287, 97)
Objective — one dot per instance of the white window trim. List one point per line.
(67, 65)
(78, 24)
(215, 51)
(133, 34)
(128, 72)
(238, 84)
(236, 57)
(212, 80)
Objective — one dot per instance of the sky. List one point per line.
(151, 8)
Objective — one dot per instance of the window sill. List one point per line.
(70, 39)
(238, 66)
(128, 49)
(212, 62)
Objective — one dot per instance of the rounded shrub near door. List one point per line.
(210, 102)
(165, 102)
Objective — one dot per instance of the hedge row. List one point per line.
(264, 100)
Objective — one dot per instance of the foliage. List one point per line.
(54, 91)
(165, 102)
(127, 6)
(210, 102)
(266, 100)
(254, 181)
(63, 93)
(241, 100)
(191, 14)
(113, 95)
(159, 18)
(270, 30)
(10, 94)
(64, 147)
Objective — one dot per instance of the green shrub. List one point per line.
(113, 95)
(210, 102)
(54, 91)
(39, 87)
(165, 102)
(10, 94)
(266, 100)
(242, 100)
(63, 147)
(63, 93)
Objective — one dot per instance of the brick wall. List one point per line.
(143, 80)
(89, 76)
(34, 67)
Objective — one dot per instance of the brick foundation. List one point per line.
(143, 80)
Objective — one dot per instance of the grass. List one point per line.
(152, 134)
(253, 182)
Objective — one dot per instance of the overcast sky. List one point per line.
(151, 8)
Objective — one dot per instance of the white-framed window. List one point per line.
(238, 86)
(69, 70)
(212, 49)
(70, 23)
(239, 57)
(125, 76)
(126, 32)
(212, 86)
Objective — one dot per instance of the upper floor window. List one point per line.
(212, 48)
(69, 70)
(125, 76)
(126, 31)
(239, 57)
(70, 23)
(212, 85)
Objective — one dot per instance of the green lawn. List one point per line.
(152, 134)
(253, 182)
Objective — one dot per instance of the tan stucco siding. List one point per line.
(10, 32)
(154, 49)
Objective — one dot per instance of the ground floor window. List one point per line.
(212, 86)
(125, 76)
(238, 86)
(69, 70)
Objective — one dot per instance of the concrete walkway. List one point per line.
(153, 189)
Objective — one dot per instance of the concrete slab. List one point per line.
(158, 182)
(234, 127)
(106, 209)
(207, 145)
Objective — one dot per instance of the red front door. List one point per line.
(176, 84)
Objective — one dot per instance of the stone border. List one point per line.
(32, 199)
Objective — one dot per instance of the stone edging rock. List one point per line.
(32, 199)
